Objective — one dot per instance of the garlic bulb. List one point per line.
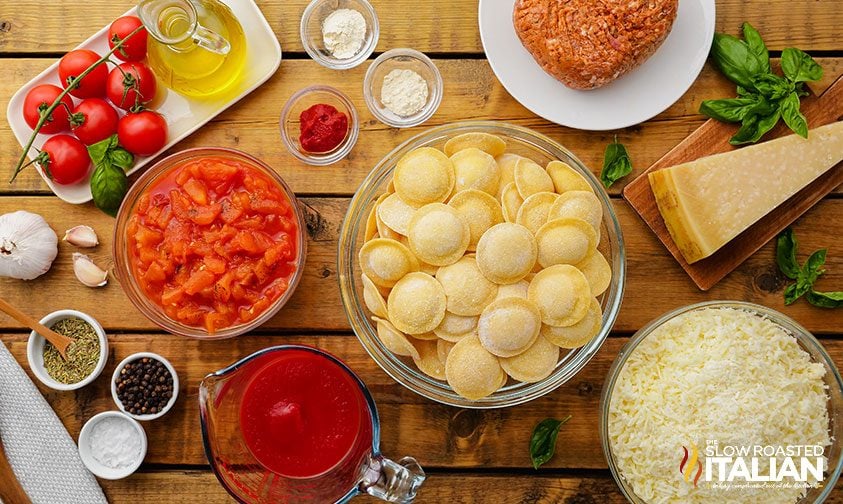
(81, 236)
(28, 245)
(87, 272)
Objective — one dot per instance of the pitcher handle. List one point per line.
(211, 40)
(393, 481)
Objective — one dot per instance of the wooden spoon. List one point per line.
(60, 341)
(11, 491)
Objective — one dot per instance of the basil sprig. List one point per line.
(616, 163)
(109, 182)
(763, 97)
(543, 442)
(805, 275)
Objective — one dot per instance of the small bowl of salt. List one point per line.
(112, 445)
(403, 88)
(339, 34)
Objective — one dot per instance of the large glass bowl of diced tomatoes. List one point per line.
(209, 243)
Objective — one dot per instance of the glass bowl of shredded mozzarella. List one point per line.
(403, 88)
(339, 34)
(724, 402)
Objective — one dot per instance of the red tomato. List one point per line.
(65, 159)
(39, 99)
(73, 64)
(131, 84)
(143, 133)
(135, 48)
(94, 120)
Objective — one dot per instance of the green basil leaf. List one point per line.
(756, 45)
(754, 127)
(744, 92)
(799, 66)
(792, 116)
(121, 157)
(811, 269)
(543, 442)
(108, 187)
(99, 150)
(795, 291)
(734, 58)
(786, 249)
(772, 86)
(616, 164)
(728, 109)
(825, 299)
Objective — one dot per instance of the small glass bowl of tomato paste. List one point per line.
(209, 243)
(319, 125)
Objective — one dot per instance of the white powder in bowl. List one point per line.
(343, 33)
(115, 443)
(404, 92)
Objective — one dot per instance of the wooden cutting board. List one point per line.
(712, 138)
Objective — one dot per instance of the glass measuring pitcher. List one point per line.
(292, 423)
(196, 47)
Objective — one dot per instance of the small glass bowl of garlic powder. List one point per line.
(403, 88)
(339, 34)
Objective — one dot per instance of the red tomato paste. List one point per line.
(323, 128)
(213, 242)
(303, 415)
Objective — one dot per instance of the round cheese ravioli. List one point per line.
(475, 169)
(561, 293)
(531, 178)
(455, 327)
(578, 334)
(443, 348)
(471, 370)
(488, 143)
(534, 364)
(533, 212)
(566, 178)
(597, 271)
(423, 176)
(467, 290)
(396, 213)
(386, 261)
(506, 163)
(438, 235)
(506, 253)
(416, 305)
(511, 201)
(428, 360)
(578, 205)
(394, 340)
(565, 241)
(518, 289)
(479, 210)
(509, 326)
(373, 298)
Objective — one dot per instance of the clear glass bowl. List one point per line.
(521, 141)
(806, 341)
(290, 123)
(120, 251)
(311, 32)
(401, 59)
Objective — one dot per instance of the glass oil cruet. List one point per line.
(196, 47)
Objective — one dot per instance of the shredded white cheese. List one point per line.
(713, 374)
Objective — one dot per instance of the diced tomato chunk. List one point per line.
(204, 214)
(197, 191)
(198, 281)
(215, 264)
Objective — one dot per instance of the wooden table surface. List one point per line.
(470, 456)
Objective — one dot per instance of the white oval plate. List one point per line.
(632, 99)
(184, 114)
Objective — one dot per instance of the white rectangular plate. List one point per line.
(184, 114)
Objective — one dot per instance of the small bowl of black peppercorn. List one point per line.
(145, 386)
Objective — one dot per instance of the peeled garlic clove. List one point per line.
(81, 236)
(87, 272)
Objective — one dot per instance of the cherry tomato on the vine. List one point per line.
(134, 49)
(93, 120)
(73, 64)
(143, 133)
(131, 84)
(64, 159)
(39, 99)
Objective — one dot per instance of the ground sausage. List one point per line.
(589, 43)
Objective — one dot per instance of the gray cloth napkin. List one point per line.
(42, 453)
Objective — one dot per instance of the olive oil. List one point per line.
(190, 69)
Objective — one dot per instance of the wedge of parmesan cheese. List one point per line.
(707, 202)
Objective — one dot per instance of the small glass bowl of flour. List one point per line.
(112, 445)
(402, 88)
(339, 34)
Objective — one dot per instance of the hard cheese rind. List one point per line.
(707, 202)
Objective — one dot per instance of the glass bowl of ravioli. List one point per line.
(424, 235)
(209, 243)
(697, 388)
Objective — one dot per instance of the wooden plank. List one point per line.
(471, 93)
(438, 436)
(32, 26)
(655, 282)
